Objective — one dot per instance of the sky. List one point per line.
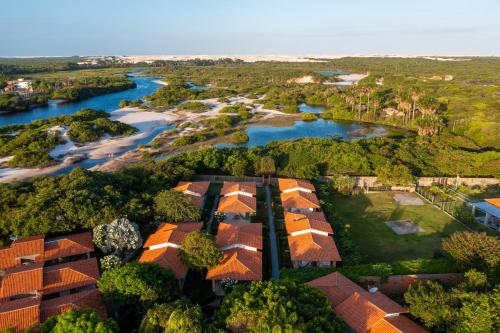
(232, 27)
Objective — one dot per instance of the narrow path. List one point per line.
(275, 269)
(211, 218)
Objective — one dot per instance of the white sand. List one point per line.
(163, 83)
(144, 121)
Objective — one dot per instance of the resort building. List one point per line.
(162, 247)
(38, 249)
(19, 86)
(364, 311)
(44, 277)
(196, 190)
(310, 240)
(491, 209)
(241, 244)
(289, 185)
(238, 201)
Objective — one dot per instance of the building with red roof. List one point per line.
(49, 250)
(32, 292)
(289, 185)
(238, 201)
(299, 202)
(364, 311)
(197, 191)
(241, 244)
(162, 247)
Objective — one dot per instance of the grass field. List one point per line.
(366, 215)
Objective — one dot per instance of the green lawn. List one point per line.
(366, 215)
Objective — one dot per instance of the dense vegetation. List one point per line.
(67, 89)
(467, 105)
(30, 144)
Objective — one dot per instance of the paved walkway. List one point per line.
(211, 218)
(275, 268)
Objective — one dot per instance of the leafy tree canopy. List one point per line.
(277, 306)
(79, 321)
(176, 206)
(199, 251)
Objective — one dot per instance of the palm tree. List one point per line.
(376, 104)
(415, 96)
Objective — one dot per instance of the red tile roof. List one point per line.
(291, 217)
(249, 234)
(69, 245)
(288, 184)
(20, 314)
(238, 264)
(308, 224)
(299, 199)
(364, 311)
(237, 204)
(25, 247)
(248, 187)
(21, 280)
(80, 300)
(168, 258)
(200, 188)
(313, 247)
(45, 249)
(70, 275)
(174, 233)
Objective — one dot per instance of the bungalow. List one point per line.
(310, 241)
(364, 311)
(162, 247)
(241, 244)
(248, 189)
(491, 209)
(238, 202)
(299, 202)
(36, 249)
(196, 190)
(31, 293)
(289, 185)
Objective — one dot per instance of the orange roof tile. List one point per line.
(306, 224)
(70, 275)
(200, 188)
(359, 313)
(168, 258)
(20, 314)
(340, 287)
(288, 184)
(364, 311)
(69, 245)
(238, 264)
(319, 216)
(24, 247)
(80, 300)
(237, 204)
(313, 247)
(174, 233)
(248, 187)
(249, 234)
(299, 199)
(493, 201)
(399, 324)
(22, 280)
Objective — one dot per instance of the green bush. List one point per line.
(309, 117)
(239, 137)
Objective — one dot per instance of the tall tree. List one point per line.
(199, 251)
(176, 206)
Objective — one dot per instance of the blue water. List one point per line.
(311, 108)
(108, 102)
(334, 73)
(261, 135)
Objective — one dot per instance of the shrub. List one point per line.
(239, 137)
(309, 117)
